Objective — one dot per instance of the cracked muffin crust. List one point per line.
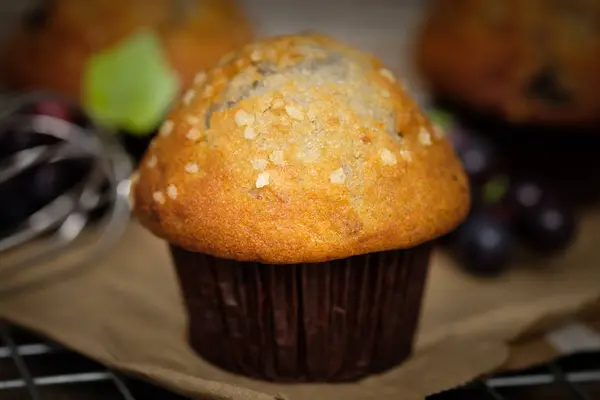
(50, 50)
(298, 149)
(533, 61)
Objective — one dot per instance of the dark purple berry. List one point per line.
(484, 245)
(527, 194)
(548, 227)
(459, 137)
(54, 108)
(479, 160)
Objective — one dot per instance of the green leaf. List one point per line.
(441, 118)
(495, 189)
(130, 86)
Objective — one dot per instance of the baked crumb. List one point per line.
(259, 164)
(338, 176)
(388, 157)
(309, 155)
(424, 137)
(405, 154)
(167, 128)
(191, 168)
(276, 157)
(262, 180)
(172, 192)
(158, 197)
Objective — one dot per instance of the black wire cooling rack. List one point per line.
(32, 368)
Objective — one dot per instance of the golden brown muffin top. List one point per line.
(530, 61)
(298, 149)
(50, 52)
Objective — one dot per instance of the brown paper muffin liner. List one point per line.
(329, 321)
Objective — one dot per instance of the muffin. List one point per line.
(49, 52)
(65, 43)
(528, 62)
(300, 189)
(524, 74)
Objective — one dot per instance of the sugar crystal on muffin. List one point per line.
(172, 191)
(189, 96)
(263, 179)
(167, 128)
(338, 176)
(388, 157)
(191, 168)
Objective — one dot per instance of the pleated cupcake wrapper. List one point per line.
(330, 321)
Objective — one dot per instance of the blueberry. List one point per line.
(527, 194)
(484, 244)
(459, 137)
(548, 227)
(479, 159)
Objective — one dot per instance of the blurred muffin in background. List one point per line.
(524, 74)
(49, 52)
(532, 62)
(125, 61)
